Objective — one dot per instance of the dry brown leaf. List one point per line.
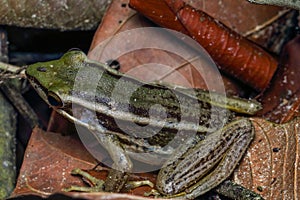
(48, 161)
(239, 15)
(127, 19)
(271, 166)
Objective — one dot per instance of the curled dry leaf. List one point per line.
(235, 55)
(271, 166)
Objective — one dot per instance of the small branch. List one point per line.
(266, 23)
(11, 68)
(19, 103)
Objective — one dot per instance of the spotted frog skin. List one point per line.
(213, 144)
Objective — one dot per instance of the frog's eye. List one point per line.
(74, 57)
(54, 100)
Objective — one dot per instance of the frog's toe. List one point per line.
(74, 188)
(96, 184)
(135, 184)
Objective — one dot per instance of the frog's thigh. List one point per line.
(225, 167)
(191, 174)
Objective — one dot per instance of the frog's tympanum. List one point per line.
(214, 135)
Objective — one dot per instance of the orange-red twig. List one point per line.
(159, 12)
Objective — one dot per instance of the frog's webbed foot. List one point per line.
(153, 192)
(96, 185)
(135, 184)
(113, 183)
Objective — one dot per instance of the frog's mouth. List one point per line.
(38, 87)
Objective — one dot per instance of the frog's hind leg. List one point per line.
(225, 167)
(207, 163)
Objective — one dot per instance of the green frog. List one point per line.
(213, 137)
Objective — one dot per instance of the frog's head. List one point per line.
(54, 80)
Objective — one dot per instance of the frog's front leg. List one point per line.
(118, 174)
(205, 164)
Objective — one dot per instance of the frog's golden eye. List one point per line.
(54, 100)
(74, 57)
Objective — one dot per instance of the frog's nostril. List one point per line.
(42, 69)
